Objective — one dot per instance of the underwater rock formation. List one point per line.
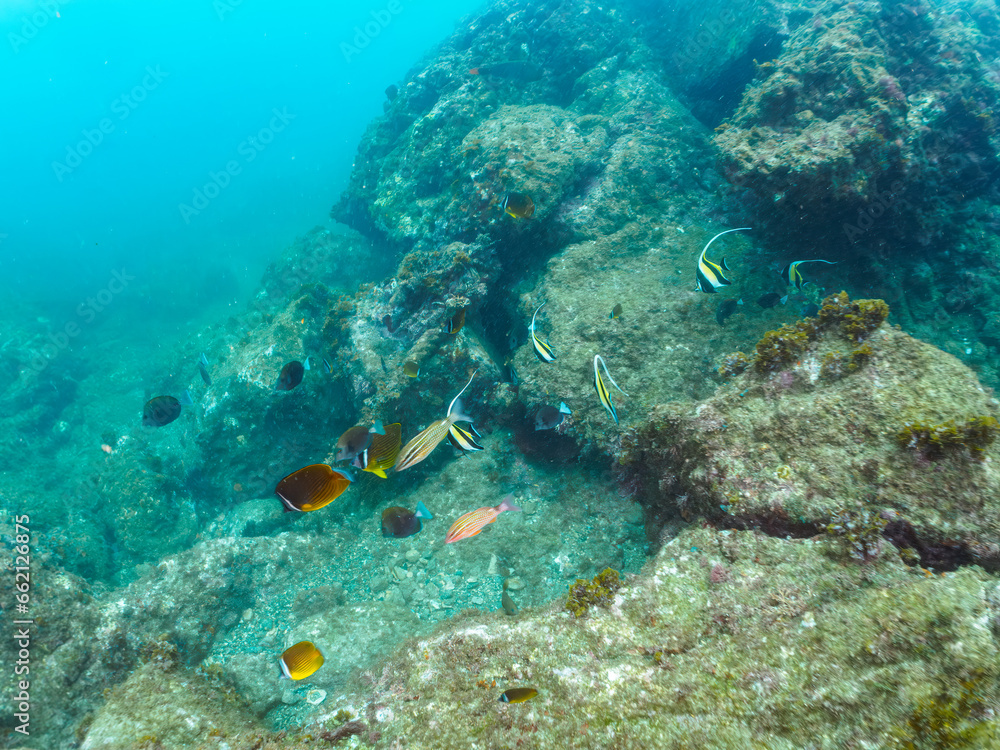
(823, 429)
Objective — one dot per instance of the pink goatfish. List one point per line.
(473, 522)
(420, 447)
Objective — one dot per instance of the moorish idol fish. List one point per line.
(602, 390)
(792, 275)
(708, 274)
(420, 447)
(465, 439)
(301, 660)
(542, 350)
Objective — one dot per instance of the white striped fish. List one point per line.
(465, 439)
(420, 447)
(602, 390)
(542, 350)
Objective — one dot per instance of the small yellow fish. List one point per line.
(455, 322)
(420, 447)
(616, 311)
(517, 695)
(301, 660)
(519, 206)
(411, 368)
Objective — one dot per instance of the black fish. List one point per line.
(163, 410)
(810, 310)
(291, 376)
(401, 522)
(726, 309)
(549, 417)
(769, 300)
(392, 92)
(203, 369)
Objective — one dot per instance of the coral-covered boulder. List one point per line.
(837, 424)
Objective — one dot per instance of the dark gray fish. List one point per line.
(770, 300)
(549, 417)
(391, 92)
(810, 311)
(291, 376)
(203, 369)
(726, 309)
(400, 522)
(163, 410)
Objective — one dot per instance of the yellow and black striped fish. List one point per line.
(465, 439)
(792, 275)
(382, 452)
(708, 274)
(602, 390)
(542, 350)
(420, 447)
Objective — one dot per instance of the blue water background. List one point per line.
(220, 72)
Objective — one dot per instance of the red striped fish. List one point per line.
(473, 522)
(420, 447)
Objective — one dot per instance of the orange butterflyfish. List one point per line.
(420, 447)
(313, 487)
(473, 522)
(301, 660)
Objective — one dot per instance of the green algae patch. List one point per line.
(599, 592)
(934, 441)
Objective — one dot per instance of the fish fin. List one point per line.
(740, 301)
(185, 399)
(724, 266)
(506, 504)
(784, 299)
(378, 473)
(456, 413)
(563, 408)
(377, 427)
(203, 360)
(422, 511)
(305, 365)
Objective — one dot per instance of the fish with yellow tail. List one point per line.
(420, 447)
(542, 350)
(381, 453)
(602, 390)
(474, 521)
(793, 276)
(710, 275)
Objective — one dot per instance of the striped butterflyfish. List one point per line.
(517, 695)
(420, 446)
(710, 275)
(474, 521)
(602, 390)
(792, 275)
(382, 451)
(301, 660)
(519, 206)
(542, 350)
(312, 487)
(455, 322)
(466, 439)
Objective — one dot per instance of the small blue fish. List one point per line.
(327, 366)
(203, 369)
(709, 275)
(792, 275)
